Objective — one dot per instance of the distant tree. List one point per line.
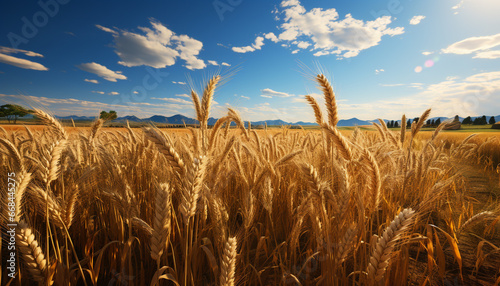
(438, 121)
(108, 116)
(396, 124)
(492, 120)
(480, 120)
(467, 120)
(433, 122)
(408, 123)
(429, 122)
(13, 112)
(390, 124)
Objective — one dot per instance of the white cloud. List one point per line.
(99, 92)
(183, 95)
(92, 80)
(269, 93)
(478, 45)
(176, 100)
(225, 64)
(457, 7)
(6, 58)
(303, 45)
(157, 47)
(214, 63)
(257, 45)
(377, 71)
(329, 34)
(416, 20)
(487, 55)
(245, 97)
(427, 53)
(102, 71)
(113, 93)
(272, 37)
(179, 82)
(295, 51)
(135, 92)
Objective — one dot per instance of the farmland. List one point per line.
(227, 206)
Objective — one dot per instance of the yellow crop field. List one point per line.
(236, 206)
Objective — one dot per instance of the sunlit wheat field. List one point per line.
(222, 205)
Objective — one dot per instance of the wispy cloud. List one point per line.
(179, 82)
(225, 64)
(113, 93)
(99, 92)
(176, 100)
(92, 80)
(479, 45)
(183, 95)
(6, 58)
(102, 71)
(269, 93)
(214, 63)
(377, 71)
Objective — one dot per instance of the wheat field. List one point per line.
(233, 206)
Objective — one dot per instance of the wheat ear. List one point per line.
(403, 129)
(161, 221)
(331, 104)
(340, 141)
(14, 154)
(51, 122)
(31, 253)
(154, 135)
(208, 95)
(382, 252)
(228, 263)
(317, 111)
(420, 122)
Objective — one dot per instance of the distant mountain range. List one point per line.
(181, 119)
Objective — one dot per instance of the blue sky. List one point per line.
(384, 58)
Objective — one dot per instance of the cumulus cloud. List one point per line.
(156, 47)
(214, 63)
(427, 53)
(257, 45)
(416, 20)
(271, 36)
(269, 93)
(92, 80)
(478, 45)
(113, 93)
(102, 71)
(6, 58)
(329, 34)
(225, 64)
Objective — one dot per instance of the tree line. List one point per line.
(13, 112)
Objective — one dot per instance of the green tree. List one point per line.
(13, 112)
(492, 120)
(467, 120)
(408, 123)
(438, 121)
(396, 124)
(108, 116)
